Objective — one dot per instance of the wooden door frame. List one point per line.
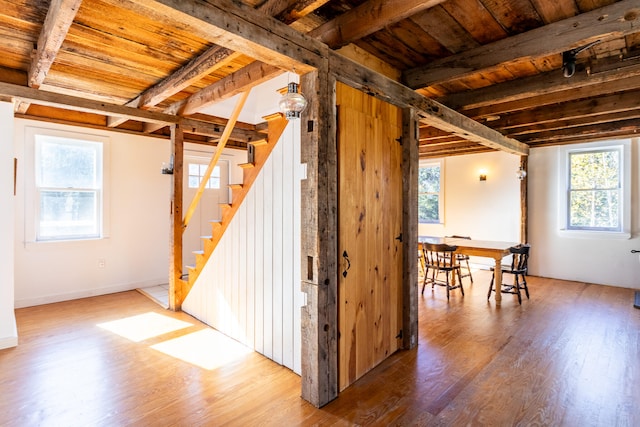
(319, 245)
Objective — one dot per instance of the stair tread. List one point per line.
(246, 165)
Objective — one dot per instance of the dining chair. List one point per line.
(518, 268)
(462, 258)
(440, 258)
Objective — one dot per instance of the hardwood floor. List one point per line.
(569, 356)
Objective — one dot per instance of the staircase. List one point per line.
(262, 149)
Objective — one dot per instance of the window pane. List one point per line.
(595, 209)
(595, 170)
(429, 180)
(428, 209)
(68, 165)
(194, 181)
(194, 169)
(68, 214)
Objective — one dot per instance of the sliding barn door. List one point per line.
(369, 232)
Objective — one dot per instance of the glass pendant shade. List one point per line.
(292, 103)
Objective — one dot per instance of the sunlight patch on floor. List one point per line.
(144, 326)
(207, 348)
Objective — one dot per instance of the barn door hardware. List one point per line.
(399, 237)
(399, 336)
(633, 251)
(345, 255)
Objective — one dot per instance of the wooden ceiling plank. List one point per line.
(54, 30)
(616, 20)
(367, 18)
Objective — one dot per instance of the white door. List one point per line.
(216, 192)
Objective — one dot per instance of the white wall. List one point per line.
(8, 332)
(136, 251)
(483, 210)
(250, 287)
(557, 255)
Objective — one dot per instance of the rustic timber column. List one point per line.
(524, 208)
(319, 240)
(175, 242)
(410, 164)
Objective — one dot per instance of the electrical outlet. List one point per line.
(101, 263)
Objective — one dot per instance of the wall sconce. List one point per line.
(292, 103)
(167, 169)
(483, 175)
(521, 174)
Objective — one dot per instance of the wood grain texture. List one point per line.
(566, 357)
(370, 225)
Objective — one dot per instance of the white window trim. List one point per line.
(563, 185)
(440, 163)
(31, 199)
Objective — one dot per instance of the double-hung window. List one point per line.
(597, 195)
(68, 188)
(430, 197)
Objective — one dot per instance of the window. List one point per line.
(197, 172)
(597, 194)
(68, 185)
(430, 200)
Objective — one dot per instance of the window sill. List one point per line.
(596, 235)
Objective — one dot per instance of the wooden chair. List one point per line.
(440, 258)
(462, 258)
(518, 268)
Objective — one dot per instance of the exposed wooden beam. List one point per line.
(622, 128)
(287, 11)
(81, 104)
(618, 102)
(431, 112)
(531, 89)
(54, 30)
(202, 65)
(616, 20)
(241, 28)
(216, 131)
(227, 87)
(367, 18)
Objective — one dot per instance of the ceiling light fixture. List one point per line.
(521, 174)
(569, 59)
(292, 102)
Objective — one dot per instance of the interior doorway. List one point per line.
(215, 193)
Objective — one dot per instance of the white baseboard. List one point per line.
(12, 339)
(48, 299)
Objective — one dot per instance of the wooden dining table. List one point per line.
(483, 248)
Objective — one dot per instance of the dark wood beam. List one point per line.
(430, 111)
(614, 21)
(366, 19)
(241, 28)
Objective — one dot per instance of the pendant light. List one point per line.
(292, 102)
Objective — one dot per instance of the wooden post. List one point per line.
(175, 243)
(319, 240)
(524, 216)
(410, 164)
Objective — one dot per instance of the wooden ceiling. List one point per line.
(136, 65)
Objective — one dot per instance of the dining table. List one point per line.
(482, 248)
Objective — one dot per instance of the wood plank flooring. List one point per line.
(569, 356)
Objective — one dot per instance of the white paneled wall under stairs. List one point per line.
(250, 286)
